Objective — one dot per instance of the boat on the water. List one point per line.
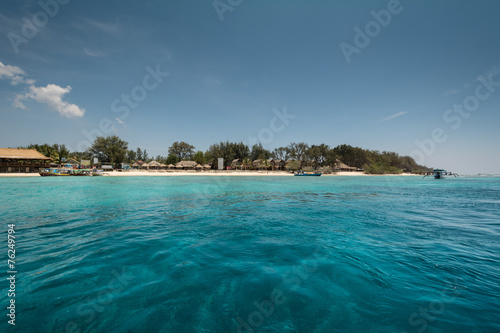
(64, 172)
(308, 174)
(441, 173)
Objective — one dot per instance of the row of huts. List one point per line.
(182, 165)
(278, 164)
(30, 160)
(236, 164)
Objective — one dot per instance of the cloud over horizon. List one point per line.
(51, 95)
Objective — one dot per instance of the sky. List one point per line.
(421, 78)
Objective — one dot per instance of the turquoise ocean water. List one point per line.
(268, 254)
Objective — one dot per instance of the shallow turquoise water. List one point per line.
(269, 254)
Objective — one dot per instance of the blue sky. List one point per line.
(228, 79)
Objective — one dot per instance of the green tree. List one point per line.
(182, 150)
(298, 151)
(171, 159)
(293, 165)
(199, 157)
(131, 156)
(281, 153)
(318, 154)
(109, 149)
(259, 152)
(229, 151)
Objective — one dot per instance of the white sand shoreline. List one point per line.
(210, 174)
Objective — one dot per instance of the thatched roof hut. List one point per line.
(198, 166)
(135, 165)
(207, 167)
(344, 167)
(22, 160)
(170, 166)
(188, 164)
(154, 164)
(22, 154)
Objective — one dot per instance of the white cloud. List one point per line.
(15, 74)
(120, 121)
(51, 95)
(402, 113)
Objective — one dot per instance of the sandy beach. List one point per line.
(154, 173)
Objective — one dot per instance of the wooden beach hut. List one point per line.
(154, 165)
(339, 166)
(236, 163)
(187, 165)
(279, 165)
(22, 160)
(257, 164)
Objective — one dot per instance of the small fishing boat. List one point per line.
(53, 172)
(308, 174)
(56, 172)
(441, 173)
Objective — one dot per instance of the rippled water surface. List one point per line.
(268, 254)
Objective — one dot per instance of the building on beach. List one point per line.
(22, 160)
(186, 165)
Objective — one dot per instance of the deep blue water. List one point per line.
(268, 254)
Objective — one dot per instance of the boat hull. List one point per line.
(308, 175)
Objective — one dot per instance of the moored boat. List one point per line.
(55, 172)
(441, 173)
(308, 174)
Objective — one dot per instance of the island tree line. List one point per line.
(300, 155)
